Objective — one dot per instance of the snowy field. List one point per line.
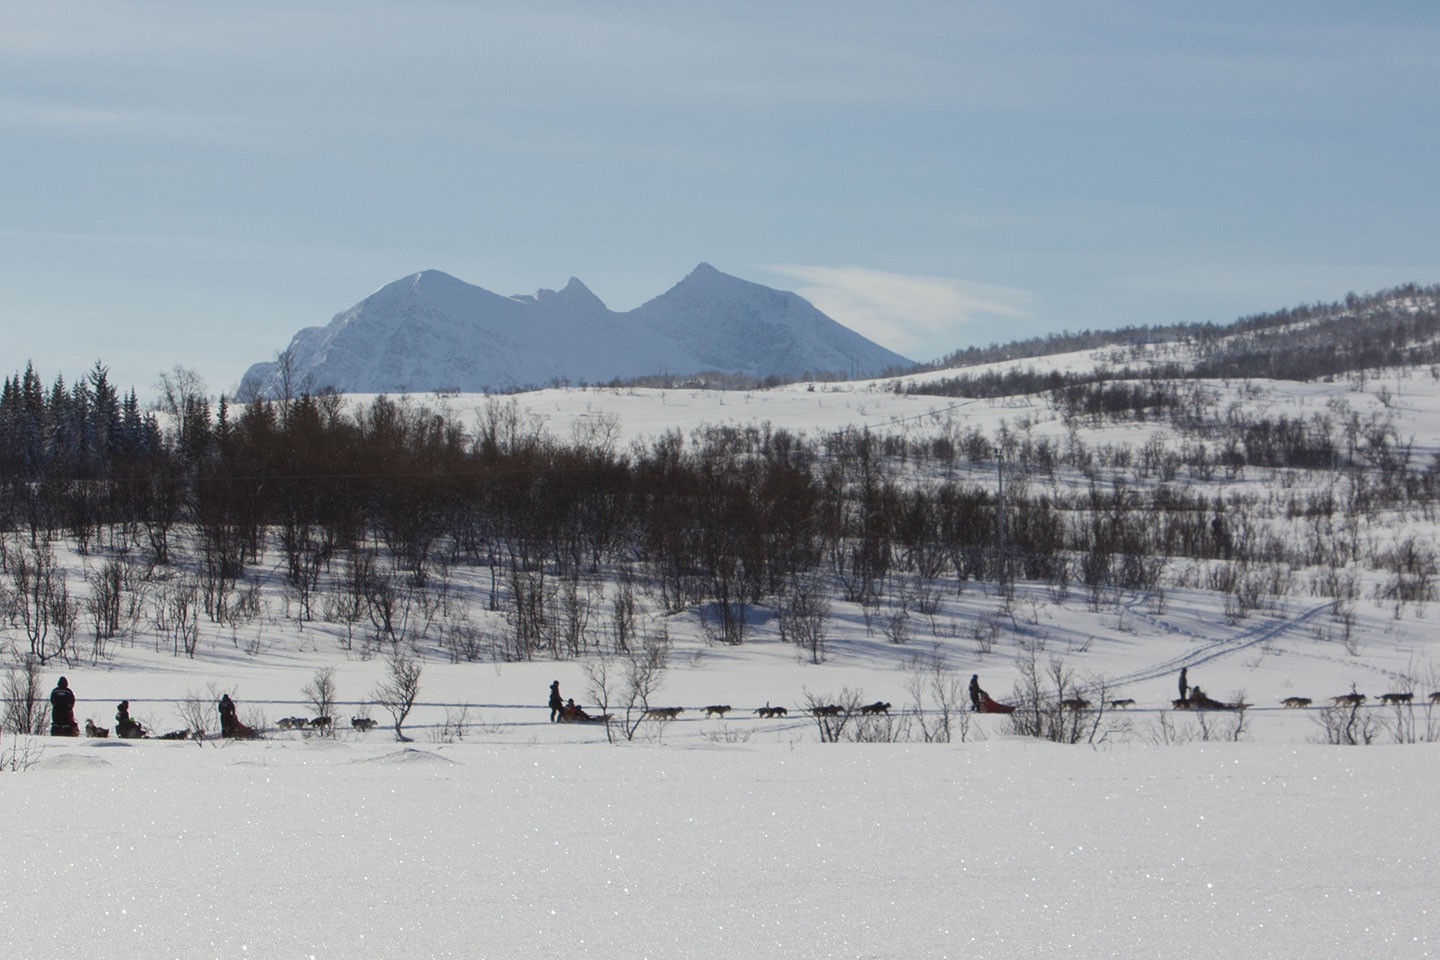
(495, 833)
(484, 849)
(498, 834)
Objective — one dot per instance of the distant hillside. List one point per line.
(1392, 328)
(431, 331)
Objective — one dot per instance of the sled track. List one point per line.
(1215, 649)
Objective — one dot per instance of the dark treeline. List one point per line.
(72, 431)
(366, 511)
(1070, 342)
(1399, 327)
(392, 494)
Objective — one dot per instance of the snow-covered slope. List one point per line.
(731, 324)
(431, 331)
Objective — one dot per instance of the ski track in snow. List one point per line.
(1213, 649)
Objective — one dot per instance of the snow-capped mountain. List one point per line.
(430, 331)
(726, 323)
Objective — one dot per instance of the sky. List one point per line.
(192, 183)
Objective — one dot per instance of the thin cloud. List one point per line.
(920, 317)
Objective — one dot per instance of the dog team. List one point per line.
(62, 711)
(62, 721)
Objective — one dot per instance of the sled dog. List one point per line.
(93, 731)
(1296, 703)
(717, 709)
(662, 713)
(363, 724)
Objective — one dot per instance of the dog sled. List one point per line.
(1199, 701)
(576, 715)
(239, 731)
(989, 704)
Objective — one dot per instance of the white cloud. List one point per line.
(920, 317)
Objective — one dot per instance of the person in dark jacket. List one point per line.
(557, 704)
(62, 711)
(124, 726)
(1184, 683)
(229, 725)
(975, 692)
(570, 713)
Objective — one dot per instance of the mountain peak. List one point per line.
(430, 330)
(432, 276)
(574, 295)
(704, 273)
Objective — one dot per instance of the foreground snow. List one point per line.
(367, 848)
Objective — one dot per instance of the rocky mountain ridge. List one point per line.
(431, 331)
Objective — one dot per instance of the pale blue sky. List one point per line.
(191, 182)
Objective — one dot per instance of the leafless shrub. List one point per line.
(879, 728)
(1165, 733)
(465, 642)
(22, 753)
(804, 613)
(728, 734)
(895, 622)
(625, 683)
(1335, 581)
(1347, 725)
(927, 596)
(199, 711)
(985, 631)
(40, 604)
(725, 618)
(456, 725)
(623, 616)
(345, 604)
(26, 709)
(176, 616)
(103, 606)
(321, 692)
(1228, 725)
(1413, 568)
(398, 691)
(1342, 612)
(1050, 705)
(937, 697)
(832, 715)
(526, 614)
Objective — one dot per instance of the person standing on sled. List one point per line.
(62, 711)
(557, 704)
(975, 692)
(229, 725)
